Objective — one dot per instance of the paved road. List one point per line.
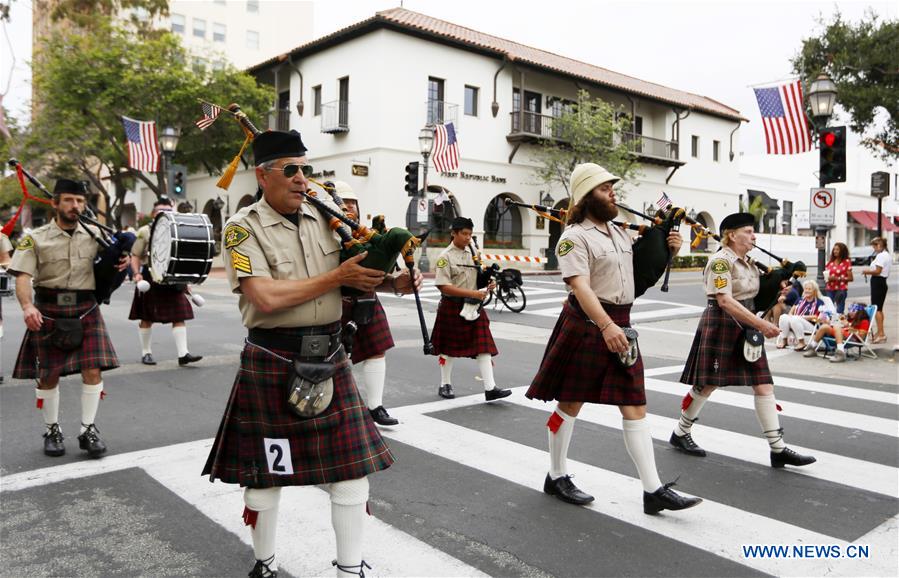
(464, 497)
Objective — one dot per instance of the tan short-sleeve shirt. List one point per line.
(456, 266)
(603, 254)
(57, 260)
(141, 247)
(5, 244)
(727, 273)
(259, 242)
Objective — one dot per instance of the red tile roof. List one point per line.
(406, 20)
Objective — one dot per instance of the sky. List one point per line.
(716, 49)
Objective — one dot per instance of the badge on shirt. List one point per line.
(720, 266)
(25, 243)
(442, 262)
(565, 247)
(235, 235)
(720, 282)
(241, 262)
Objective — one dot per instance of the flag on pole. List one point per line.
(783, 116)
(441, 198)
(446, 148)
(210, 113)
(143, 146)
(664, 202)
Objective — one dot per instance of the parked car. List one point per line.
(861, 255)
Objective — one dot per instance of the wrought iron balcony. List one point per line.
(336, 117)
(279, 119)
(653, 150)
(440, 112)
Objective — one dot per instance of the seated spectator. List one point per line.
(790, 293)
(802, 317)
(855, 323)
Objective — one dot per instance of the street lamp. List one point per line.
(168, 140)
(546, 200)
(822, 95)
(425, 144)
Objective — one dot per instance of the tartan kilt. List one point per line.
(716, 356)
(578, 366)
(453, 336)
(161, 304)
(341, 444)
(373, 338)
(37, 357)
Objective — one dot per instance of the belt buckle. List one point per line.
(68, 298)
(315, 345)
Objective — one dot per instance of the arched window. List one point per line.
(502, 225)
(215, 217)
(440, 219)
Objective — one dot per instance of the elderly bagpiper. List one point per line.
(590, 357)
(294, 417)
(5, 259)
(728, 348)
(159, 303)
(454, 335)
(66, 333)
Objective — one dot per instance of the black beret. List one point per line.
(737, 220)
(69, 186)
(276, 144)
(460, 223)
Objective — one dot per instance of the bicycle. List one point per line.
(508, 290)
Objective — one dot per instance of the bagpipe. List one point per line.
(383, 245)
(113, 244)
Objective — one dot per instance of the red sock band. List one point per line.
(441, 361)
(39, 403)
(777, 405)
(555, 422)
(685, 403)
(249, 517)
(103, 394)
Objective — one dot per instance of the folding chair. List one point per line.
(826, 307)
(864, 345)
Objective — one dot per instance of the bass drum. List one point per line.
(181, 248)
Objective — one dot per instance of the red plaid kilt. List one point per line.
(716, 357)
(454, 336)
(373, 338)
(578, 366)
(341, 444)
(161, 304)
(38, 358)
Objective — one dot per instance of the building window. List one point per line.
(694, 144)
(218, 32)
(716, 147)
(471, 100)
(198, 65)
(787, 218)
(253, 39)
(218, 65)
(638, 125)
(177, 23)
(502, 229)
(199, 28)
(252, 5)
(533, 120)
(435, 100)
(316, 100)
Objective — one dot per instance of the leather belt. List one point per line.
(318, 341)
(747, 303)
(64, 296)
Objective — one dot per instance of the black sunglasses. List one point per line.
(291, 170)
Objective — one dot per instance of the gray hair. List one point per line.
(267, 165)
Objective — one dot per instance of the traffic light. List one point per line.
(179, 180)
(412, 179)
(832, 144)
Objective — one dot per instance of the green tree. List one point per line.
(590, 130)
(863, 61)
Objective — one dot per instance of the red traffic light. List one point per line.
(829, 138)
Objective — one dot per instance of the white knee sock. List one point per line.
(446, 369)
(180, 335)
(48, 403)
(374, 372)
(559, 440)
(146, 334)
(90, 402)
(262, 515)
(638, 442)
(485, 365)
(348, 516)
(766, 412)
(690, 408)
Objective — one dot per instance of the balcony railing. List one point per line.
(532, 124)
(336, 116)
(279, 119)
(647, 146)
(440, 112)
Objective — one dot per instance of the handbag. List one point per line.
(629, 357)
(753, 344)
(68, 334)
(312, 388)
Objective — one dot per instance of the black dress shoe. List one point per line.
(53, 445)
(790, 458)
(91, 442)
(261, 570)
(564, 489)
(148, 359)
(188, 358)
(496, 393)
(686, 445)
(381, 417)
(446, 391)
(666, 499)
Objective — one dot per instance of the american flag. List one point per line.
(446, 148)
(210, 113)
(783, 116)
(664, 202)
(143, 146)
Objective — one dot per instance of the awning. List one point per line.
(868, 219)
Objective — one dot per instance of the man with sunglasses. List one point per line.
(160, 303)
(283, 261)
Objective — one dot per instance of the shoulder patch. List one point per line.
(565, 247)
(442, 262)
(241, 262)
(235, 235)
(25, 243)
(720, 266)
(720, 282)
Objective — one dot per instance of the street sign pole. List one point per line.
(822, 212)
(880, 188)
